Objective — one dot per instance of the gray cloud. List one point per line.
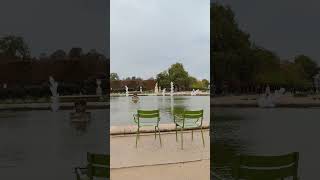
(48, 25)
(147, 36)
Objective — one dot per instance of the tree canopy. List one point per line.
(58, 54)
(180, 77)
(114, 77)
(14, 46)
(237, 60)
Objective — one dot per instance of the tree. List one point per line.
(205, 83)
(240, 63)
(308, 65)
(179, 76)
(230, 48)
(226, 34)
(163, 79)
(75, 52)
(114, 77)
(199, 84)
(192, 80)
(93, 54)
(58, 54)
(14, 46)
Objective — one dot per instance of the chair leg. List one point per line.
(202, 137)
(181, 138)
(192, 134)
(137, 137)
(176, 134)
(155, 132)
(160, 137)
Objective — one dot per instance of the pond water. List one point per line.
(260, 131)
(123, 108)
(45, 145)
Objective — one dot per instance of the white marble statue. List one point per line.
(55, 95)
(98, 90)
(156, 90)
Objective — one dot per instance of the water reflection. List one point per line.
(80, 127)
(265, 132)
(122, 108)
(45, 138)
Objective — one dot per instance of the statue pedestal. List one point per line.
(54, 103)
(99, 91)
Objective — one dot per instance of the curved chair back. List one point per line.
(98, 165)
(148, 114)
(193, 116)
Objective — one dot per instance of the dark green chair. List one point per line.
(188, 119)
(97, 167)
(266, 167)
(147, 118)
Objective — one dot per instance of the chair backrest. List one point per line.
(148, 114)
(98, 165)
(266, 167)
(192, 115)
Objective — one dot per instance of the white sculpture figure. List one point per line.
(269, 99)
(171, 89)
(192, 92)
(127, 91)
(140, 89)
(55, 95)
(98, 90)
(156, 90)
(163, 91)
(197, 92)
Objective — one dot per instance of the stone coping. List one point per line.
(251, 101)
(132, 129)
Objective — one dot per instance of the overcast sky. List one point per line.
(147, 36)
(48, 25)
(287, 27)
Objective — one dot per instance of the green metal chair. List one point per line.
(147, 118)
(97, 167)
(188, 119)
(266, 167)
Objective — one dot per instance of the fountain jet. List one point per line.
(127, 91)
(171, 90)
